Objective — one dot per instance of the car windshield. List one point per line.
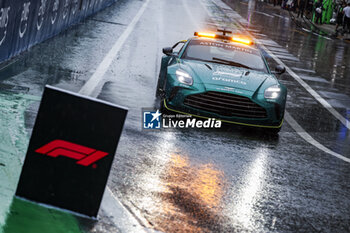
(225, 53)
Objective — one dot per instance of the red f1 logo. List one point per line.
(85, 155)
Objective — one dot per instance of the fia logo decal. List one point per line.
(75, 6)
(41, 13)
(54, 11)
(24, 19)
(65, 9)
(4, 19)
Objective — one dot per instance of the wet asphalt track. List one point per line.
(231, 180)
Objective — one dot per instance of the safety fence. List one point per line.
(24, 23)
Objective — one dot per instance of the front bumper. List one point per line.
(175, 101)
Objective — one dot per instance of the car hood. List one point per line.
(225, 75)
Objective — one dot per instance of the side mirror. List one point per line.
(280, 69)
(168, 51)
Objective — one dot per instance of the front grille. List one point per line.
(226, 104)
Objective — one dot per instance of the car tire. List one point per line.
(159, 90)
(273, 131)
(162, 108)
(159, 104)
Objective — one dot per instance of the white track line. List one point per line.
(111, 203)
(307, 137)
(96, 79)
(120, 214)
(279, 16)
(294, 124)
(322, 101)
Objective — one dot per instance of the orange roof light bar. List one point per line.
(236, 38)
(204, 34)
(242, 40)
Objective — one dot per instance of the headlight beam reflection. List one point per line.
(243, 211)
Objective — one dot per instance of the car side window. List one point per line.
(178, 46)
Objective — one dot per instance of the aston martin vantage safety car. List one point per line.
(214, 75)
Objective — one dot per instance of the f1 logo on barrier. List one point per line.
(85, 155)
(60, 168)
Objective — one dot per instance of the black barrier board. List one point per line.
(71, 151)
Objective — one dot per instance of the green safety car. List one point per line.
(214, 75)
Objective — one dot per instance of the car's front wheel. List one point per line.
(162, 107)
(272, 131)
(159, 104)
(159, 89)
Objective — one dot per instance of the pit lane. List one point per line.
(200, 180)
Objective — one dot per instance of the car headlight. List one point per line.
(272, 92)
(184, 77)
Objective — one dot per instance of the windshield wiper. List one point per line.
(231, 63)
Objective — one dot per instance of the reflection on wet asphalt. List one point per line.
(266, 184)
(242, 184)
(231, 180)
